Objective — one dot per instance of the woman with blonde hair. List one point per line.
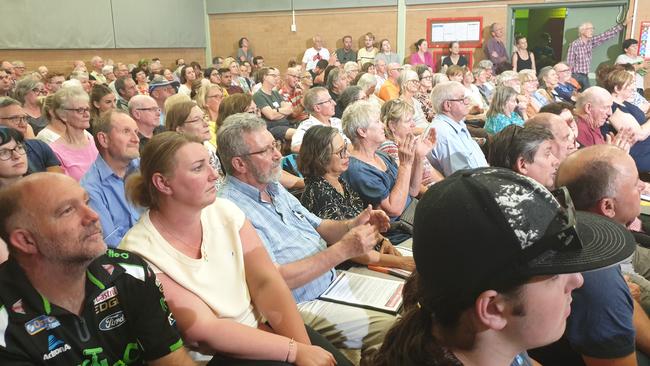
(208, 98)
(503, 110)
(188, 118)
(529, 85)
(409, 87)
(227, 296)
(397, 118)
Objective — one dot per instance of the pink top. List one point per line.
(75, 162)
(428, 60)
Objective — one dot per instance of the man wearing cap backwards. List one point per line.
(603, 179)
(486, 295)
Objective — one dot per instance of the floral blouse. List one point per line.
(324, 201)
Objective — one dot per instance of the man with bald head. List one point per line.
(146, 113)
(593, 108)
(390, 88)
(65, 299)
(98, 64)
(579, 54)
(563, 142)
(603, 179)
(314, 54)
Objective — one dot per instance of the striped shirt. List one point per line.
(287, 229)
(579, 54)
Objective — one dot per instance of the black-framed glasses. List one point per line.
(343, 152)
(6, 154)
(16, 119)
(330, 100)
(465, 100)
(276, 145)
(79, 110)
(150, 109)
(39, 91)
(197, 119)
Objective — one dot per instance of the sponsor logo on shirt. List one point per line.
(17, 307)
(112, 321)
(55, 347)
(36, 325)
(105, 295)
(106, 300)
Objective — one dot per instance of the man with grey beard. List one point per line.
(304, 247)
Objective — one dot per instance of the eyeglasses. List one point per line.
(276, 145)
(427, 78)
(465, 100)
(565, 70)
(16, 119)
(6, 154)
(273, 75)
(330, 100)
(150, 109)
(197, 119)
(214, 96)
(79, 110)
(343, 152)
(39, 91)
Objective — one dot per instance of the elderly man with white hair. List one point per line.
(314, 54)
(580, 51)
(97, 64)
(455, 148)
(593, 107)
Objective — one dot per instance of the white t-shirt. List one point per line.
(219, 277)
(311, 57)
(625, 59)
(183, 89)
(296, 139)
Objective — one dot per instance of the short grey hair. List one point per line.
(334, 76)
(24, 86)
(230, 137)
(351, 66)
(366, 81)
(506, 76)
(358, 116)
(107, 69)
(485, 64)
(8, 101)
(138, 101)
(443, 92)
(310, 98)
(78, 75)
(404, 77)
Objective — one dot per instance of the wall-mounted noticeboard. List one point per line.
(644, 40)
(467, 31)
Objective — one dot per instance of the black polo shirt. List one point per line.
(125, 319)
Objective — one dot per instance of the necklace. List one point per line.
(160, 220)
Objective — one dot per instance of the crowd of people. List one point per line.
(209, 208)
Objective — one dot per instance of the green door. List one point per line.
(603, 18)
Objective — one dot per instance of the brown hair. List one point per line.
(617, 79)
(158, 156)
(177, 114)
(236, 103)
(316, 151)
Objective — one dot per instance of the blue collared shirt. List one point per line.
(287, 229)
(108, 199)
(455, 148)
